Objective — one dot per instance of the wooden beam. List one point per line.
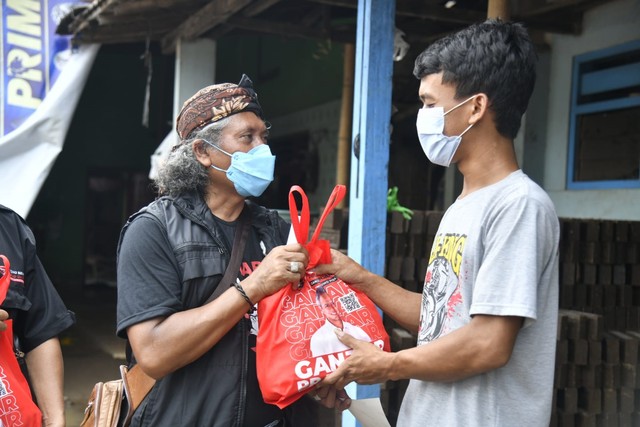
(313, 16)
(343, 153)
(257, 7)
(420, 10)
(498, 9)
(572, 25)
(210, 16)
(437, 12)
(165, 20)
(113, 36)
(81, 21)
(144, 6)
(220, 31)
(530, 10)
(289, 30)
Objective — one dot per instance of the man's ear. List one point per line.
(480, 108)
(201, 153)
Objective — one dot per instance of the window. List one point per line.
(604, 132)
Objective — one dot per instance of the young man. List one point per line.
(486, 320)
(173, 254)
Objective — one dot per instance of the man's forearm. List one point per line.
(46, 373)
(484, 344)
(401, 305)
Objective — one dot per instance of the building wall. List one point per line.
(299, 84)
(605, 26)
(322, 123)
(106, 138)
(289, 75)
(106, 135)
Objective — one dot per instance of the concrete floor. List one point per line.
(90, 348)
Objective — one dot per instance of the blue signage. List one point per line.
(32, 56)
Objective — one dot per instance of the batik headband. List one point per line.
(216, 102)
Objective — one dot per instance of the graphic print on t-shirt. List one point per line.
(441, 292)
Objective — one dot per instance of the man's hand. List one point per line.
(3, 316)
(331, 397)
(346, 269)
(367, 364)
(284, 264)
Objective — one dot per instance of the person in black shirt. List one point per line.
(172, 256)
(36, 315)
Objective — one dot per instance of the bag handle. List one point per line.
(319, 249)
(335, 198)
(299, 220)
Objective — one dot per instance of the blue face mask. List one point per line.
(250, 172)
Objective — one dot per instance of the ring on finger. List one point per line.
(316, 397)
(295, 266)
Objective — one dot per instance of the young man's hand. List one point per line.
(367, 364)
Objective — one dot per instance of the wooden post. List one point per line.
(498, 9)
(346, 112)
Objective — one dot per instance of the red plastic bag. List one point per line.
(296, 344)
(15, 395)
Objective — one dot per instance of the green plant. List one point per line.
(394, 205)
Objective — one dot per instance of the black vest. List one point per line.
(202, 256)
(193, 236)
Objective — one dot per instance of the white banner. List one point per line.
(42, 80)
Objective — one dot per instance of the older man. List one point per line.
(173, 255)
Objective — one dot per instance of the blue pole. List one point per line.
(370, 148)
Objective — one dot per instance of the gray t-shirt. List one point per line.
(495, 253)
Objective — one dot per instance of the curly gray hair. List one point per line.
(182, 172)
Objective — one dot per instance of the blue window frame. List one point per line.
(604, 129)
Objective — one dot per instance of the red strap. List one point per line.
(334, 200)
(5, 280)
(299, 222)
(319, 249)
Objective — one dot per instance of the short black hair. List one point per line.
(495, 58)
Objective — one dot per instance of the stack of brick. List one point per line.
(596, 379)
(408, 247)
(578, 375)
(600, 270)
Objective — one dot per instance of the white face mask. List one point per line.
(438, 147)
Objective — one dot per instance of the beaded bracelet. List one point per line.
(238, 286)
